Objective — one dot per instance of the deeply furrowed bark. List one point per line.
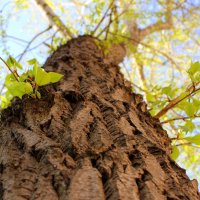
(88, 138)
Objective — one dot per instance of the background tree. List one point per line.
(152, 41)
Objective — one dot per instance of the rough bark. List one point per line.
(88, 138)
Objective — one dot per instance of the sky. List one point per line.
(20, 26)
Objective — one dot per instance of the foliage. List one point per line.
(186, 102)
(26, 83)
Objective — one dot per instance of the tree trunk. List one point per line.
(88, 138)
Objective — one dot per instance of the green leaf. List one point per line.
(44, 78)
(175, 152)
(55, 77)
(33, 96)
(38, 95)
(196, 77)
(196, 102)
(150, 97)
(41, 77)
(194, 72)
(13, 63)
(8, 95)
(28, 88)
(30, 73)
(195, 67)
(19, 88)
(166, 90)
(189, 108)
(4, 102)
(23, 77)
(32, 62)
(194, 139)
(189, 126)
(24, 86)
(183, 95)
(9, 78)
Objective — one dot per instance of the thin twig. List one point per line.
(130, 78)
(5, 5)
(28, 45)
(102, 19)
(141, 71)
(109, 23)
(179, 118)
(14, 74)
(126, 71)
(115, 12)
(116, 18)
(53, 37)
(38, 44)
(188, 144)
(15, 38)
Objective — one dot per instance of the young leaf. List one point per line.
(23, 77)
(30, 73)
(189, 126)
(9, 78)
(32, 62)
(38, 95)
(44, 78)
(194, 139)
(28, 82)
(13, 63)
(55, 77)
(175, 152)
(194, 72)
(4, 102)
(19, 88)
(28, 88)
(41, 77)
(150, 97)
(189, 108)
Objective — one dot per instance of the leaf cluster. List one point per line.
(26, 83)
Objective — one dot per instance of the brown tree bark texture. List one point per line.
(88, 138)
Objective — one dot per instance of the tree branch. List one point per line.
(174, 102)
(136, 42)
(54, 19)
(159, 25)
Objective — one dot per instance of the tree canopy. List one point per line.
(161, 39)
